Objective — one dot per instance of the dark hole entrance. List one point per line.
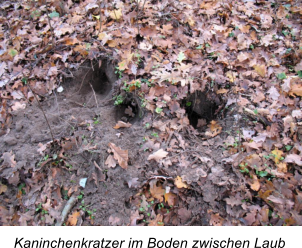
(201, 108)
(128, 111)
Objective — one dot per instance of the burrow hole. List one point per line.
(102, 78)
(201, 108)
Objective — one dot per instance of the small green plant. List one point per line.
(43, 159)
(118, 100)
(96, 121)
(86, 210)
(81, 195)
(231, 34)
(281, 76)
(158, 110)
(188, 104)
(155, 135)
(39, 208)
(21, 187)
(118, 72)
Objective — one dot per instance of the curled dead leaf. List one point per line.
(158, 155)
(120, 155)
(120, 124)
(3, 188)
(73, 219)
(179, 183)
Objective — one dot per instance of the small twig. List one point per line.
(52, 136)
(96, 101)
(71, 202)
(100, 16)
(51, 28)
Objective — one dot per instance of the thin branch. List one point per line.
(51, 28)
(97, 105)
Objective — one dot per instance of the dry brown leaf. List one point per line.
(216, 220)
(3, 188)
(120, 124)
(277, 155)
(296, 89)
(179, 183)
(214, 129)
(120, 155)
(260, 69)
(158, 221)
(222, 91)
(158, 155)
(170, 198)
(157, 192)
(115, 14)
(73, 219)
(255, 185)
(282, 167)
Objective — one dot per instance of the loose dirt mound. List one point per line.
(85, 131)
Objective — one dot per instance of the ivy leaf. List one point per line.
(54, 14)
(181, 57)
(281, 76)
(300, 74)
(12, 52)
(158, 110)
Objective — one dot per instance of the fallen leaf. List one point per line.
(156, 192)
(179, 183)
(116, 14)
(158, 155)
(73, 219)
(214, 129)
(158, 221)
(216, 220)
(120, 124)
(260, 69)
(293, 158)
(110, 161)
(3, 188)
(277, 155)
(170, 198)
(255, 183)
(120, 155)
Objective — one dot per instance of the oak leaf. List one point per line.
(170, 198)
(156, 192)
(110, 161)
(293, 158)
(120, 124)
(255, 185)
(115, 14)
(260, 69)
(158, 155)
(277, 155)
(3, 188)
(214, 129)
(73, 219)
(179, 183)
(158, 221)
(120, 155)
(296, 89)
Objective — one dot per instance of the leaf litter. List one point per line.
(236, 161)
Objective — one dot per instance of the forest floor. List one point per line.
(150, 112)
